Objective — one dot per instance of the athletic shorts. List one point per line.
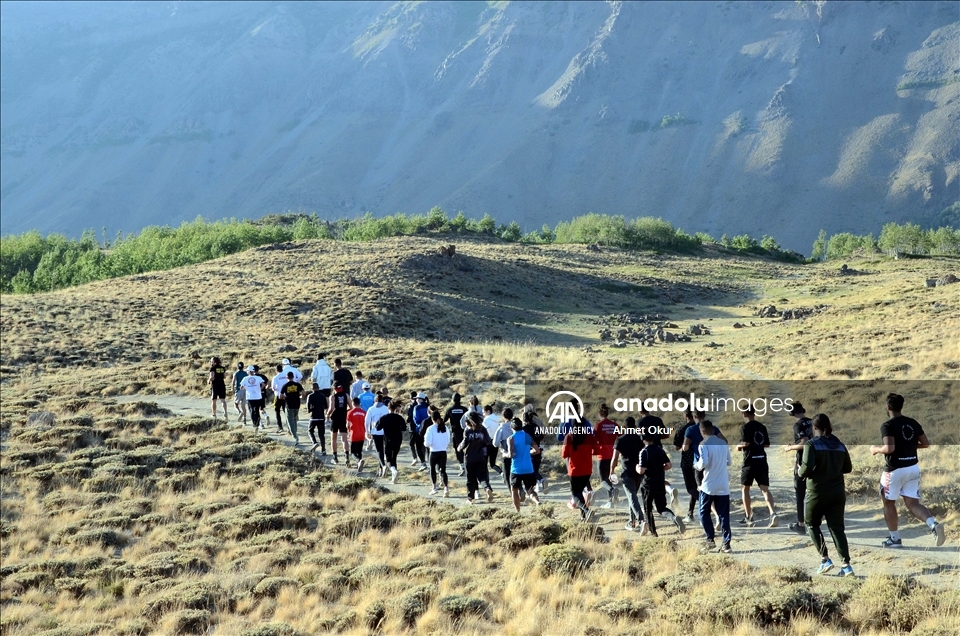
(526, 481)
(338, 427)
(901, 482)
(758, 471)
(219, 392)
(240, 396)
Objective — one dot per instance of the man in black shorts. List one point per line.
(218, 386)
(754, 442)
(454, 417)
(317, 406)
(337, 414)
(802, 433)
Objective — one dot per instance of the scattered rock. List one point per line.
(698, 330)
(712, 345)
(931, 282)
(770, 311)
(946, 280)
(619, 344)
(285, 348)
(737, 325)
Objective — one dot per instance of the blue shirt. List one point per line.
(522, 462)
(367, 398)
(695, 437)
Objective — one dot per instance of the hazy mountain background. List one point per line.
(779, 120)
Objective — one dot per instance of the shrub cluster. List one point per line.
(895, 239)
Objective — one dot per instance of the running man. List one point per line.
(437, 439)
(754, 442)
(474, 447)
(292, 394)
(277, 385)
(691, 442)
(628, 446)
(342, 375)
(357, 387)
(356, 420)
(367, 397)
(578, 448)
(713, 460)
(652, 464)
(686, 464)
(534, 427)
(392, 424)
(337, 415)
(454, 416)
(239, 396)
(491, 422)
(902, 437)
(374, 413)
(802, 433)
(606, 435)
(218, 386)
(420, 419)
(317, 406)
(322, 375)
(520, 450)
(265, 394)
(289, 368)
(252, 387)
(825, 462)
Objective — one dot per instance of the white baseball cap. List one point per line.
(250, 369)
(365, 385)
(286, 361)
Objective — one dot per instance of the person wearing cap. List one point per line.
(252, 386)
(419, 420)
(454, 416)
(292, 392)
(802, 433)
(289, 368)
(218, 386)
(374, 413)
(239, 394)
(754, 441)
(357, 387)
(366, 396)
(520, 450)
(342, 375)
(317, 407)
(337, 414)
(322, 375)
(276, 384)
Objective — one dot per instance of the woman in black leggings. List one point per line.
(392, 424)
(437, 438)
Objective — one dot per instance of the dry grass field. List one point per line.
(124, 518)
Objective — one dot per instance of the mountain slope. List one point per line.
(723, 117)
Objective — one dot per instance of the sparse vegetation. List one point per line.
(895, 239)
(672, 121)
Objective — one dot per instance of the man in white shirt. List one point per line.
(277, 384)
(289, 368)
(374, 413)
(491, 422)
(357, 387)
(714, 461)
(322, 374)
(252, 386)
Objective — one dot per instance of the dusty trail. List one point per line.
(758, 546)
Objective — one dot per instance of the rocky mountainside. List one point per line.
(726, 117)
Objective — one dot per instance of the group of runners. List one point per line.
(360, 419)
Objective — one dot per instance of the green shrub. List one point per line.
(562, 559)
(413, 603)
(271, 586)
(621, 608)
(458, 606)
(271, 629)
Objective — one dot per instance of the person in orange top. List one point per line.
(606, 435)
(356, 422)
(578, 448)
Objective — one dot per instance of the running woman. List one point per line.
(628, 447)
(474, 406)
(504, 431)
(578, 449)
(252, 386)
(802, 433)
(533, 425)
(277, 385)
(292, 394)
(825, 462)
(520, 450)
(378, 410)
(337, 414)
(218, 386)
(653, 462)
(902, 436)
(754, 442)
(239, 398)
(322, 375)
(356, 420)
(474, 446)
(454, 417)
(392, 424)
(686, 464)
(317, 406)
(606, 435)
(437, 439)
(491, 422)
(713, 461)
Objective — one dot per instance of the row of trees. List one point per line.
(31, 262)
(895, 239)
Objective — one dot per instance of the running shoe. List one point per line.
(674, 498)
(725, 548)
(336, 458)
(939, 533)
(490, 495)
(359, 466)
(498, 469)
(630, 527)
(677, 520)
(415, 462)
(393, 475)
(643, 528)
(462, 471)
(241, 418)
(746, 521)
(446, 493)
(296, 443)
(572, 504)
(382, 471)
(799, 528)
(773, 522)
(710, 545)
(890, 543)
(423, 467)
(588, 497)
(314, 447)
(846, 570)
(825, 567)
(434, 491)
(470, 501)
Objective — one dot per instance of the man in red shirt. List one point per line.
(356, 422)
(578, 448)
(606, 435)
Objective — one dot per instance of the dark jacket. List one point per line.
(825, 462)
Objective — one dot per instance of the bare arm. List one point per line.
(889, 445)
(923, 442)
(667, 466)
(614, 460)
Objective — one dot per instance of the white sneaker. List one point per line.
(414, 462)
(393, 475)
(643, 528)
(588, 497)
(674, 498)
(423, 468)
(446, 493)
(773, 522)
(314, 447)
(434, 491)
(359, 466)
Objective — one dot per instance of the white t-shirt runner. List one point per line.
(251, 384)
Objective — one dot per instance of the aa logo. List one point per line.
(564, 406)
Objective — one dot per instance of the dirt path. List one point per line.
(758, 546)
